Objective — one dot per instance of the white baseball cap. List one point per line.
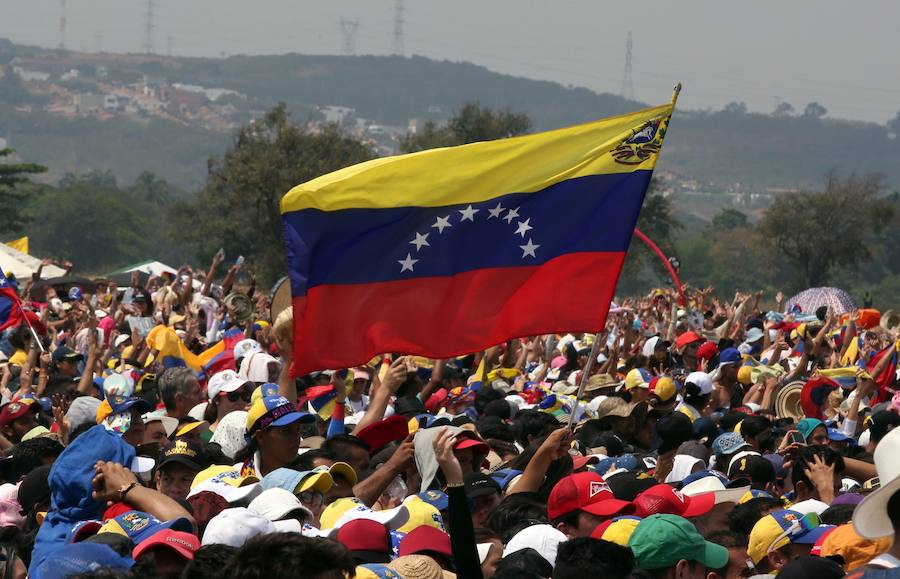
(169, 423)
(277, 503)
(245, 347)
(236, 526)
(701, 380)
(542, 538)
(224, 381)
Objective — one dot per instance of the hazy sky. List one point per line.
(841, 54)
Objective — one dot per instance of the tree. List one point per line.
(470, 124)
(658, 222)
(151, 189)
(816, 231)
(12, 193)
(893, 125)
(735, 108)
(238, 207)
(784, 109)
(728, 219)
(814, 111)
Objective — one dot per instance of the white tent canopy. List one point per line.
(23, 265)
(155, 268)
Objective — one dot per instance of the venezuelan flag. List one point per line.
(171, 351)
(452, 250)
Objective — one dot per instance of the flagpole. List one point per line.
(595, 347)
(28, 323)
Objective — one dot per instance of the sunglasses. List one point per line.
(239, 394)
(312, 498)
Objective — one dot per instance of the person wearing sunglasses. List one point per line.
(782, 536)
(227, 392)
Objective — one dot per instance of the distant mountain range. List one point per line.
(723, 150)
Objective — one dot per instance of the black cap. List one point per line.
(186, 452)
(65, 353)
(626, 486)
(35, 489)
(480, 485)
(882, 422)
(811, 566)
(673, 429)
(409, 406)
(753, 468)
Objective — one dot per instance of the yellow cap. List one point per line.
(336, 510)
(316, 481)
(744, 376)
(619, 532)
(232, 477)
(421, 513)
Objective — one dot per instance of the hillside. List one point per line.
(725, 150)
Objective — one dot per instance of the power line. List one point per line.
(148, 29)
(627, 82)
(399, 45)
(349, 26)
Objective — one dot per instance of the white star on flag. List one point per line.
(528, 249)
(524, 226)
(468, 213)
(511, 214)
(496, 211)
(407, 264)
(442, 223)
(420, 240)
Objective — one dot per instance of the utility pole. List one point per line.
(399, 47)
(349, 26)
(627, 83)
(62, 24)
(98, 42)
(148, 29)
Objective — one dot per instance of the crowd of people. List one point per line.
(156, 431)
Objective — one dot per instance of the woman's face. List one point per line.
(279, 444)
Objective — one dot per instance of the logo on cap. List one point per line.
(598, 487)
(134, 522)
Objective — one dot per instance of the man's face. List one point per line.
(280, 443)
(818, 436)
(135, 434)
(174, 480)
(359, 460)
(155, 432)
(67, 367)
(192, 395)
(22, 425)
(585, 525)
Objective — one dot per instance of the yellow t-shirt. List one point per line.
(18, 358)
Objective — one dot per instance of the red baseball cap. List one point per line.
(425, 538)
(687, 338)
(185, 544)
(466, 440)
(17, 409)
(579, 462)
(664, 499)
(588, 492)
(379, 434)
(366, 539)
(707, 350)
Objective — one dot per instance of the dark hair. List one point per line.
(340, 446)
(30, 454)
(743, 516)
(483, 535)
(484, 397)
(523, 563)
(494, 427)
(208, 561)
(411, 386)
(534, 424)
(731, 419)
(500, 408)
(837, 514)
(805, 457)
(558, 469)
(728, 539)
(305, 461)
(283, 554)
(512, 510)
(754, 425)
(586, 557)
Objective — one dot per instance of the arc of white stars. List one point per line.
(496, 211)
(524, 227)
(407, 264)
(468, 214)
(511, 214)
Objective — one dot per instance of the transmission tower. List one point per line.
(148, 29)
(627, 83)
(398, 28)
(62, 24)
(349, 26)
(98, 42)
(169, 46)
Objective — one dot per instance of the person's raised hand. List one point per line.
(395, 375)
(820, 474)
(109, 479)
(340, 386)
(405, 455)
(557, 443)
(443, 452)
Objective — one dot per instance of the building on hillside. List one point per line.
(88, 103)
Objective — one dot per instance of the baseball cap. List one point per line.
(728, 443)
(295, 481)
(379, 434)
(664, 388)
(854, 549)
(711, 482)
(664, 499)
(344, 510)
(542, 538)
(186, 452)
(276, 504)
(366, 540)
(586, 491)
(224, 381)
(701, 380)
(235, 526)
(15, 410)
(34, 489)
(781, 528)
(375, 571)
(69, 560)
(479, 485)
(504, 476)
(807, 425)
(139, 526)
(226, 482)
(616, 530)
(687, 338)
(339, 469)
(65, 353)
(169, 423)
(185, 544)
(246, 347)
(274, 411)
(729, 356)
(419, 513)
(638, 378)
(426, 539)
(660, 541)
(752, 468)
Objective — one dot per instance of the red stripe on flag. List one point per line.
(340, 326)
